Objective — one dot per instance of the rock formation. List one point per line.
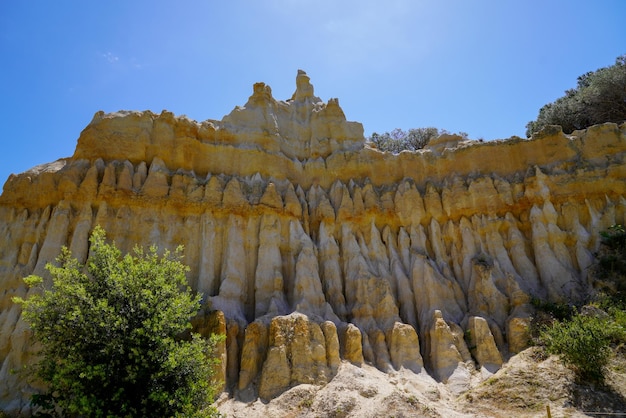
(316, 248)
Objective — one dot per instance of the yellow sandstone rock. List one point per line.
(483, 345)
(296, 354)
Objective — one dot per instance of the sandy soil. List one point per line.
(524, 387)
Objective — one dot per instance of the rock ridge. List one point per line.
(312, 248)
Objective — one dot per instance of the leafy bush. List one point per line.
(583, 342)
(111, 336)
(599, 97)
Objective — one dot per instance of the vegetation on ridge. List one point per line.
(112, 336)
(599, 97)
(399, 140)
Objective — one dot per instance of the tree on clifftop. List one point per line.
(111, 336)
(599, 97)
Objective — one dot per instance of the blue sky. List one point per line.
(482, 67)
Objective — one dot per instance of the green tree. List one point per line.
(112, 335)
(600, 96)
(584, 343)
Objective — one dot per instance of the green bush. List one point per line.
(111, 336)
(584, 343)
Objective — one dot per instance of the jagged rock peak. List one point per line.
(301, 128)
(304, 88)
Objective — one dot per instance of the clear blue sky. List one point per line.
(483, 67)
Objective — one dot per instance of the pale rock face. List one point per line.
(518, 333)
(307, 287)
(404, 348)
(330, 272)
(310, 248)
(233, 291)
(447, 352)
(302, 127)
(483, 345)
(268, 281)
(484, 297)
(331, 338)
(297, 353)
(252, 353)
(353, 345)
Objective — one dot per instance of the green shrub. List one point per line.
(584, 343)
(111, 336)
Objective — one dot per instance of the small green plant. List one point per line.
(343, 410)
(306, 403)
(619, 317)
(412, 400)
(467, 336)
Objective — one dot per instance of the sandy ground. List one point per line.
(524, 387)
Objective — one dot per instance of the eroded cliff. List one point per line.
(312, 248)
